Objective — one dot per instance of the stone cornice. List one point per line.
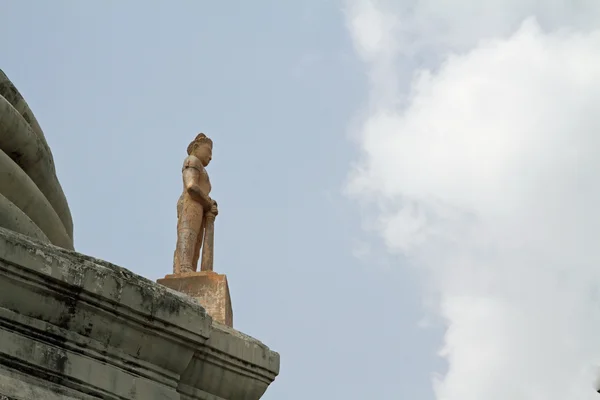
(95, 328)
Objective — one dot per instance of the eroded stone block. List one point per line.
(208, 288)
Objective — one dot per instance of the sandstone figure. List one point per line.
(196, 211)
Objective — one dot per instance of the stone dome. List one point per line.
(32, 201)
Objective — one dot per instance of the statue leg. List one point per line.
(188, 231)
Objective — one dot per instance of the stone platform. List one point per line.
(209, 288)
(75, 327)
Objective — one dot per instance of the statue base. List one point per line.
(209, 288)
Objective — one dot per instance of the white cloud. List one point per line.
(485, 174)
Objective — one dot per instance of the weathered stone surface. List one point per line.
(11, 217)
(9, 91)
(98, 328)
(75, 327)
(17, 187)
(22, 140)
(209, 288)
(231, 366)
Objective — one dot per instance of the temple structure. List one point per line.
(31, 199)
(77, 327)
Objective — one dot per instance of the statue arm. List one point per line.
(190, 177)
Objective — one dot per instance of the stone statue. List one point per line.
(196, 211)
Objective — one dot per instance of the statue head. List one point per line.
(201, 148)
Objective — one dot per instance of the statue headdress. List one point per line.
(200, 139)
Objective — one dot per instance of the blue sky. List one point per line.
(120, 88)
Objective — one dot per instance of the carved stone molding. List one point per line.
(72, 326)
(29, 176)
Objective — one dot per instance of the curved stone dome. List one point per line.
(32, 201)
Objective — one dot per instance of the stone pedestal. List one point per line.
(209, 288)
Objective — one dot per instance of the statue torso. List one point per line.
(203, 180)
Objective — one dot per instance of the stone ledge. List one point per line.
(232, 365)
(95, 329)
